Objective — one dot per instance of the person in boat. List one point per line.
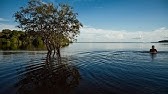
(153, 50)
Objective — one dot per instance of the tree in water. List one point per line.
(57, 25)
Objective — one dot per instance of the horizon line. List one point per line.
(116, 42)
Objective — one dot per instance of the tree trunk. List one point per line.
(58, 54)
(54, 53)
(48, 49)
(48, 57)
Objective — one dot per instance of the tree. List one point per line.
(6, 33)
(56, 25)
(14, 40)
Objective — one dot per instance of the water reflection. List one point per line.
(153, 56)
(51, 78)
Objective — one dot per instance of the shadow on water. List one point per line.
(51, 78)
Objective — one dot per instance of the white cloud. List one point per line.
(7, 26)
(2, 19)
(44, 2)
(90, 34)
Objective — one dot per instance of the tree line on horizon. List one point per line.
(19, 40)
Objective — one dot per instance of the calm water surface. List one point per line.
(87, 68)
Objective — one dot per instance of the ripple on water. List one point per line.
(118, 72)
(126, 72)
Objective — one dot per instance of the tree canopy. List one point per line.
(56, 24)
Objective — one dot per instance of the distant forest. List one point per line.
(14, 40)
(163, 41)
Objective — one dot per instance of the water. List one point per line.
(87, 68)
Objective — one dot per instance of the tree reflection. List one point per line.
(51, 78)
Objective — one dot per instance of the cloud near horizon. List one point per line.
(90, 34)
(8, 26)
(3, 20)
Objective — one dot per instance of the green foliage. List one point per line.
(56, 25)
(37, 42)
(14, 40)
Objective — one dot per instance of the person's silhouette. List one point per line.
(153, 50)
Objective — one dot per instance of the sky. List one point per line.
(107, 20)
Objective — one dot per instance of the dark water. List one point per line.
(87, 68)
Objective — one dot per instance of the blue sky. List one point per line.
(120, 16)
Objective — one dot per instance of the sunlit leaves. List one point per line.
(57, 25)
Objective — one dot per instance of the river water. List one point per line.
(87, 68)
